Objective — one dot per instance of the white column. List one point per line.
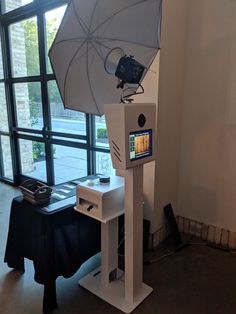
(133, 232)
(109, 246)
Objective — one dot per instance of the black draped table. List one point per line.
(57, 244)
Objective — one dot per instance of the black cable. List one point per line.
(126, 97)
(135, 92)
(170, 253)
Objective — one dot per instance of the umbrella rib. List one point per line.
(80, 20)
(89, 81)
(98, 53)
(92, 15)
(68, 68)
(118, 12)
(76, 39)
(128, 41)
(100, 44)
(100, 49)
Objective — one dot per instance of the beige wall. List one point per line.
(170, 101)
(196, 162)
(207, 187)
(161, 177)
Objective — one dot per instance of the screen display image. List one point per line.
(140, 144)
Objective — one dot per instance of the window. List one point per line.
(9, 5)
(5, 158)
(64, 120)
(69, 163)
(48, 142)
(3, 110)
(32, 157)
(53, 19)
(28, 105)
(101, 132)
(24, 48)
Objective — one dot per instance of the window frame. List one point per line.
(38, 8)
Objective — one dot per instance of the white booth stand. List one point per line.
(132, 130)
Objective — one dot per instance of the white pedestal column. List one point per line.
(126, 294)
(133, 232)
(135, 289)
(109, 245)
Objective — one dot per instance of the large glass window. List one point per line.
(3, 110)
(53, 19)
(29, 105)
(32, 156)
(101, 132)
(9, 5)
(69, 163)
(24, 48)
(64, 120)
(50, 142)
(5, 155)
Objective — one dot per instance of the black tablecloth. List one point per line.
(57, 244)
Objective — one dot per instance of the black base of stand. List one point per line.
(175, 235)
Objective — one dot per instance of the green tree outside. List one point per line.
(32, 55)
(32, 63)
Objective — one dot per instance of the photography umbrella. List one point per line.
(95, 32)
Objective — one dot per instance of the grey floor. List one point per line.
(196, 280)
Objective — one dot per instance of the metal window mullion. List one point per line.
(30, 137)
(89, 165)
(45, 99)
(67, 135)
(69, 144)
(91, 158)
(3, 133)
(10, 101)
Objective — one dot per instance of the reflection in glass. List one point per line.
(24, 48)
(64, 120)
(53, 21)
(9, 5)
(69, 163)
(104, 164)
(6, 157)
(3, 110)
(32, 156)
(29, 105)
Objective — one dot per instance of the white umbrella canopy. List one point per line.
(90, 29)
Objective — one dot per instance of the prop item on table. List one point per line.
(35, 192)
(104, 179)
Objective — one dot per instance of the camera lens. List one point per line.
(141, 120)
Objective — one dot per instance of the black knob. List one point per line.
(90, 208)
(141, 120)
